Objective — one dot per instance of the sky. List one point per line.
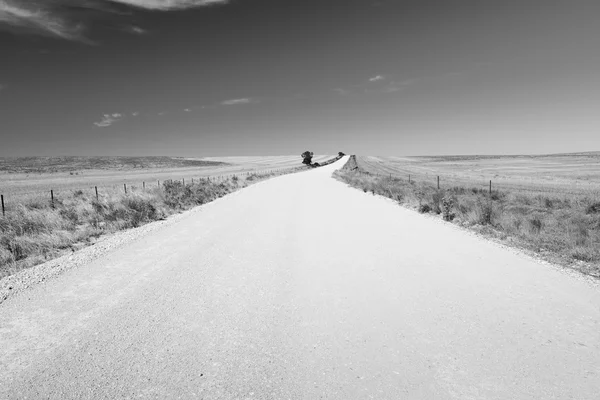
(277, 77)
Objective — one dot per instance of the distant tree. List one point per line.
(340, 154)
(307, 157)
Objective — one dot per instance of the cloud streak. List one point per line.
(68, 19)
(108, 120)
(38, 18)
(167, 5)
(235, 102)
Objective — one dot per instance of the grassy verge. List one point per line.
(37, 232)
(559, 229)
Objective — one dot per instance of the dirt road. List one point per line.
(302, 288)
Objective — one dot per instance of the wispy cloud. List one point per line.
(396, 86)
(234, 102)
(68, 19)
(38, 17)
(108, 120)
(136, 30)
(170, 4)
(377, 84)
(342, 92)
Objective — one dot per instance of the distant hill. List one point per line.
(589, 154)
(67, 164)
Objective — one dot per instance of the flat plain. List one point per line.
(24, 178)
(576, 173)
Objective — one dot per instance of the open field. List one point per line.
(22, 179)
(546, 204)
(577, 173)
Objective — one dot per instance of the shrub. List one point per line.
(485, 211)
(6, 257)
(535, 224)
(399, 197)
(448, 207)
(424, 208)
(496, 195)
(593, 208)
(140, 209)
(436, 200)
(584, 254)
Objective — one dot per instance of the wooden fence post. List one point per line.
(438, 179)
(96, 187)
(52, 197)
(408, 178)
(125, 186)
(3, 210)
(183, 180)
(144, 185)
(158, 183)
(490, 187)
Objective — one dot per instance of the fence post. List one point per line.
(125, 186)
(408, 178)
(144, 185)
(158, 183)
(52, 197)
(183, 180)
(490, 187)
(438, 183)
(3, 210)
(96, 187)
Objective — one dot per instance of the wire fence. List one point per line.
(529, 186)
(11, 200)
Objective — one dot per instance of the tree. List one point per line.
(307, 157)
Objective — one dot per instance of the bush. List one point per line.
(593, 208)
(436, 200)
(485, 211)
(141, 209)
(6, 257)
(535, 224)
(448, 207)
(424, 208)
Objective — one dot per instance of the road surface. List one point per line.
(302, 288)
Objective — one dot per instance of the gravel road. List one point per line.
(303, 288)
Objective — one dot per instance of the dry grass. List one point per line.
(562, 228)
(34, 231)
(24, 179)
